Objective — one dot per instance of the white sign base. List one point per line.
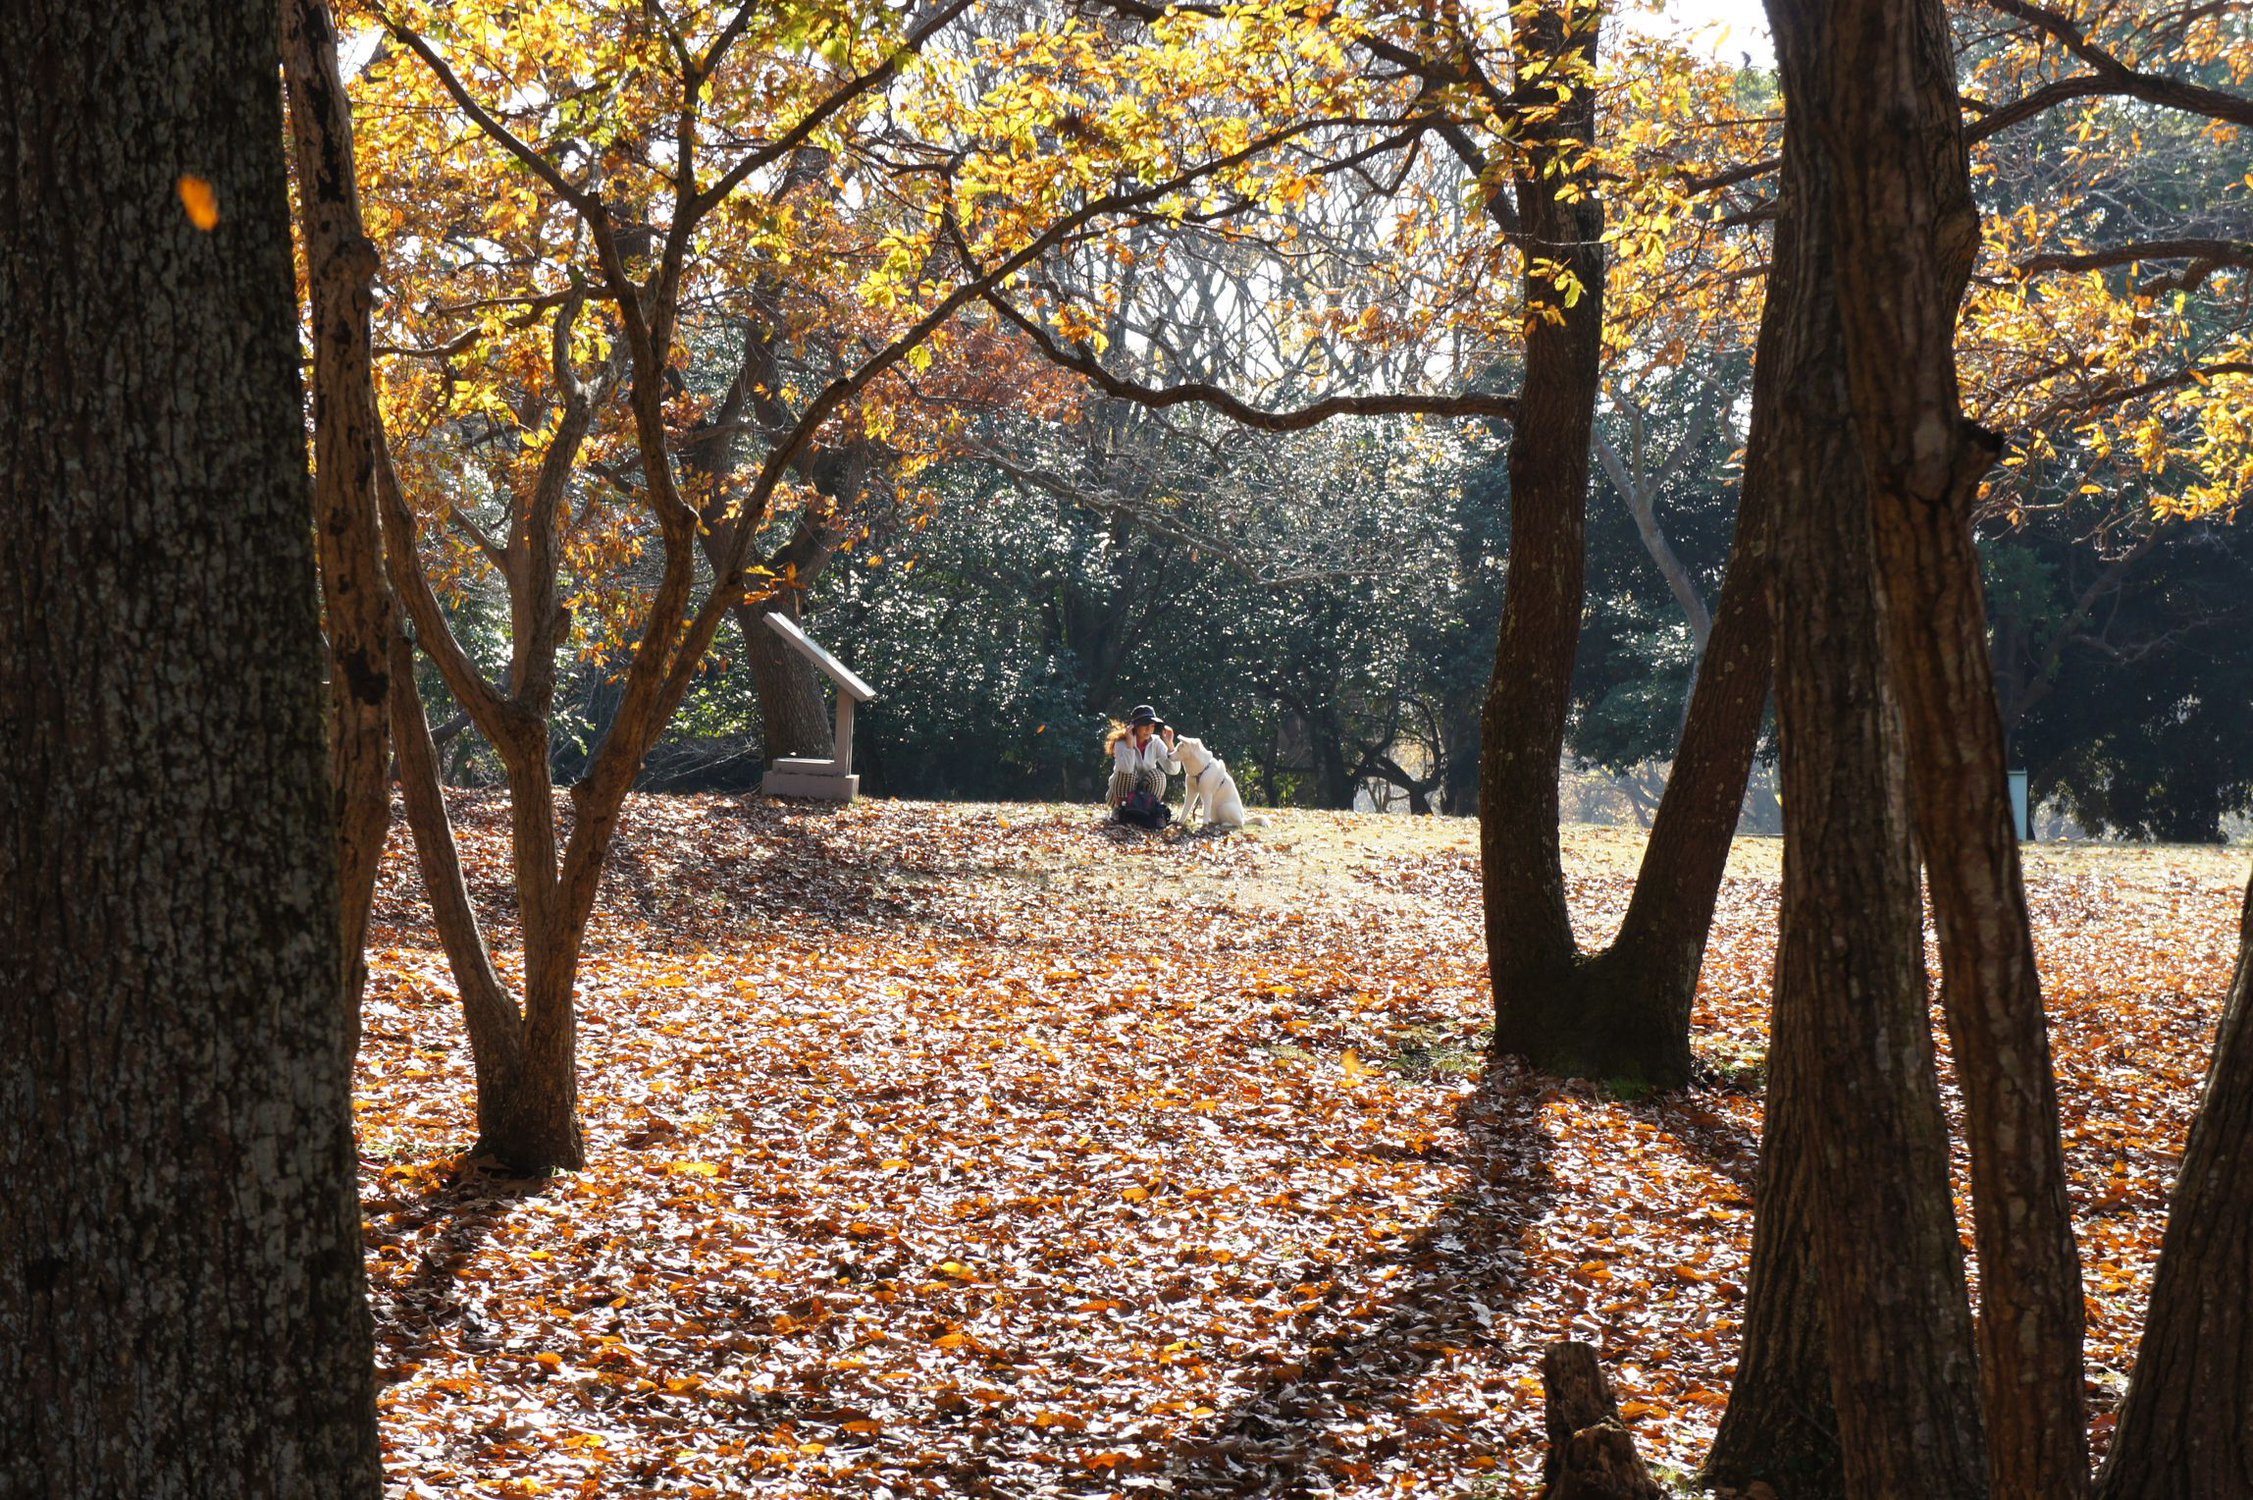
(826, 786)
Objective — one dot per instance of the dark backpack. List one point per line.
(1144, 810)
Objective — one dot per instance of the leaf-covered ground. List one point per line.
(976, 1150)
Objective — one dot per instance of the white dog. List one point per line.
(1207, 786)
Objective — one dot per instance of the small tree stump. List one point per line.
(1591, 1454)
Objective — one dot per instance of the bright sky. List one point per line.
(1725, 29)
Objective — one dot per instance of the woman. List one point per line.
(1141, 756)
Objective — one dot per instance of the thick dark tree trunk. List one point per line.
(2187, 1430)
(793, 711)
(182, 1308)
(1895, 1312)
(1903, 1377)
(1780, 1426)
(1906, 230)
(1529, 939)
(356, 600)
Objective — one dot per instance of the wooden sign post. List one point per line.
(833, 779)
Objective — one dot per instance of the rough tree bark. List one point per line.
(1560, 224)
(1895, 1313)
(184, 1312)
(1591, 1453)
(356, 601)
(1907, 230)
(2187, 1429)
(1780, 1426)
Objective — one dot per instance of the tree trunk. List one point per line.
(1907, 231)
(495, 1027)
(526, 1090)
(185, 1313)
(1529, 939)
(532, 1126)
(1895, 1311)
(1780, 1425)
(1459, 752)
(2187, 1430)
(537, 1129)
(1630, 1004)
(792, 715)
(792, 712)
(1591, 1453)
(356, 602)
(1623, 1014)
(1334, 783)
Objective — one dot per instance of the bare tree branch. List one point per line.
(2151, 88)
(1082, 361)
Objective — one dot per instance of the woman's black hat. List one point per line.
(1143, 714)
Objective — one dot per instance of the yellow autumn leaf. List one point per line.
(201, 201)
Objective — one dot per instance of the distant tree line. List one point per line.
(1322, 610)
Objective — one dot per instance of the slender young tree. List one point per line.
(184, 1311)
(356, 601)
(634, 291)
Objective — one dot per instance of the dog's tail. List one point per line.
(1256, 820)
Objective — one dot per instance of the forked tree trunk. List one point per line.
(1780, 1426)
(1529, 939)
(1628, 1007)
(2187, 1429)
(182, 1307)
(357, 607)
(1895, 1313)
(1624, 1013)
(527, 1088)
(1907, 231)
